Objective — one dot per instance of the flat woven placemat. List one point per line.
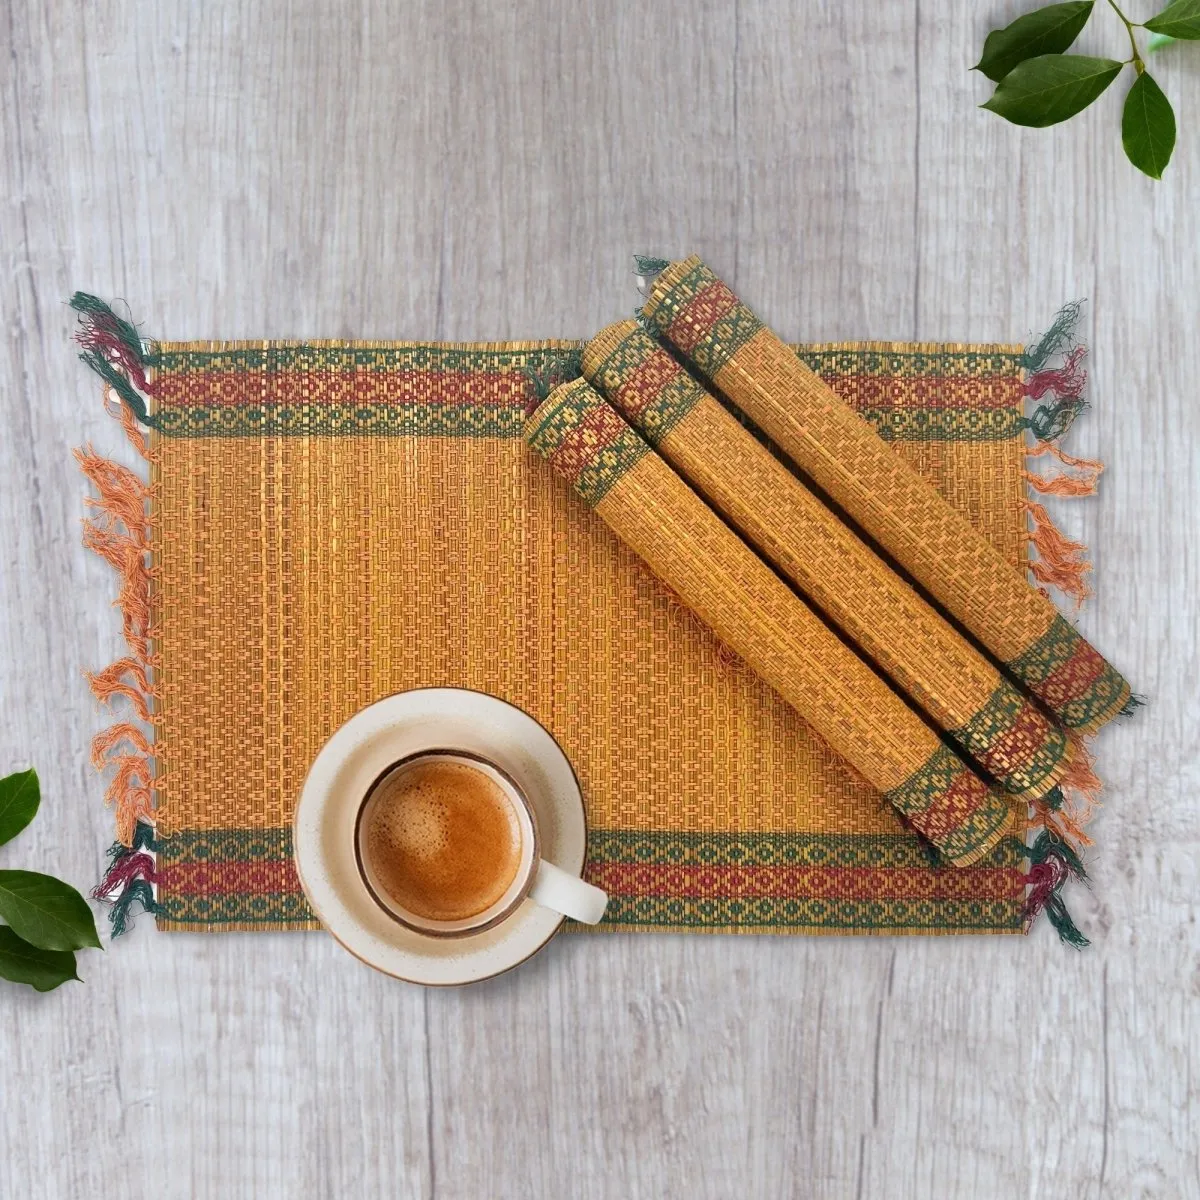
(330, 523)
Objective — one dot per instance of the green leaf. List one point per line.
(1158, 41)
(1048, 30)
(41, 969)
(1043, 91)
(1148, 127)
(45, 911)
(1180, 19)
(19, 800)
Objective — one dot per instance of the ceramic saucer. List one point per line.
(357, 754)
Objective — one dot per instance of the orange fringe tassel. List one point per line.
(133, 431)
(1082, 484)
(1061, 825)
(108, 738)
(128, 559)
(110, 683)
(1060, 562)
(119, 531)
(1063, 564)
(1080, 786)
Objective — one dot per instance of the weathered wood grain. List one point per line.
(465, 170)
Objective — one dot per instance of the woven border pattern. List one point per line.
(1071, 678)
(429, 390)
(588, 445)
(769, 882)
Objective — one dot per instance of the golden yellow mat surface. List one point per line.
(335, 522)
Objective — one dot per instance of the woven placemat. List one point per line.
(330, 523)
(721, 338)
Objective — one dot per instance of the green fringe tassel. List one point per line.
(138, 892)
(118, 383)
(1068, 932)
(104, 337)
(1053, 905)
(143, 839)
(647, 267)
(1047, 842)
(90, 307)
(1061, 333)
(1050, 421)
(125, 877)
(567, 365)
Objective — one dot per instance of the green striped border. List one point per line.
(404, 356)
(946, 424)
(661, 408)
(642, 847)
(1003, 710)
(634, 847)
(226, 845)
(719, 341)
(291, 910)
(825, 359)
(1050, 653)
(804, 915)
(896, 363)
(343, 420)
(506, 421)
(267, 909)
(559, 420)
(665, 848)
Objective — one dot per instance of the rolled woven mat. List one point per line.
(982, 713)
(721, 580)
(730, 347)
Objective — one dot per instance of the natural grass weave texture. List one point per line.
(332, 523)
(725, 342)
(687, 546)
(984, 716)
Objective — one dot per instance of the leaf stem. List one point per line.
(1138, 65)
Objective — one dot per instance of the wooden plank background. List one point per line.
(445, 169)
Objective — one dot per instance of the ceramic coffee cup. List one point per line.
(466, 850)
(543, 824)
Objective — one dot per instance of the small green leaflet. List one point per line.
(1043, 91)
(1148, 127)
(41, 969)
(46, 912)
(1049, 30)
(19, 800)
(1178, 20)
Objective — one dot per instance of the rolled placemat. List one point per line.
(716, 334)
(981, 712)
(760, 618)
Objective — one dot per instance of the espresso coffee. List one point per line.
(442, 839)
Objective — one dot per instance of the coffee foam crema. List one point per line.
(442, 839)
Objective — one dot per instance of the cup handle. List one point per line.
(565, 893)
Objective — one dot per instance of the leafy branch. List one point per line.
(46, 920)
(1039, 84)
